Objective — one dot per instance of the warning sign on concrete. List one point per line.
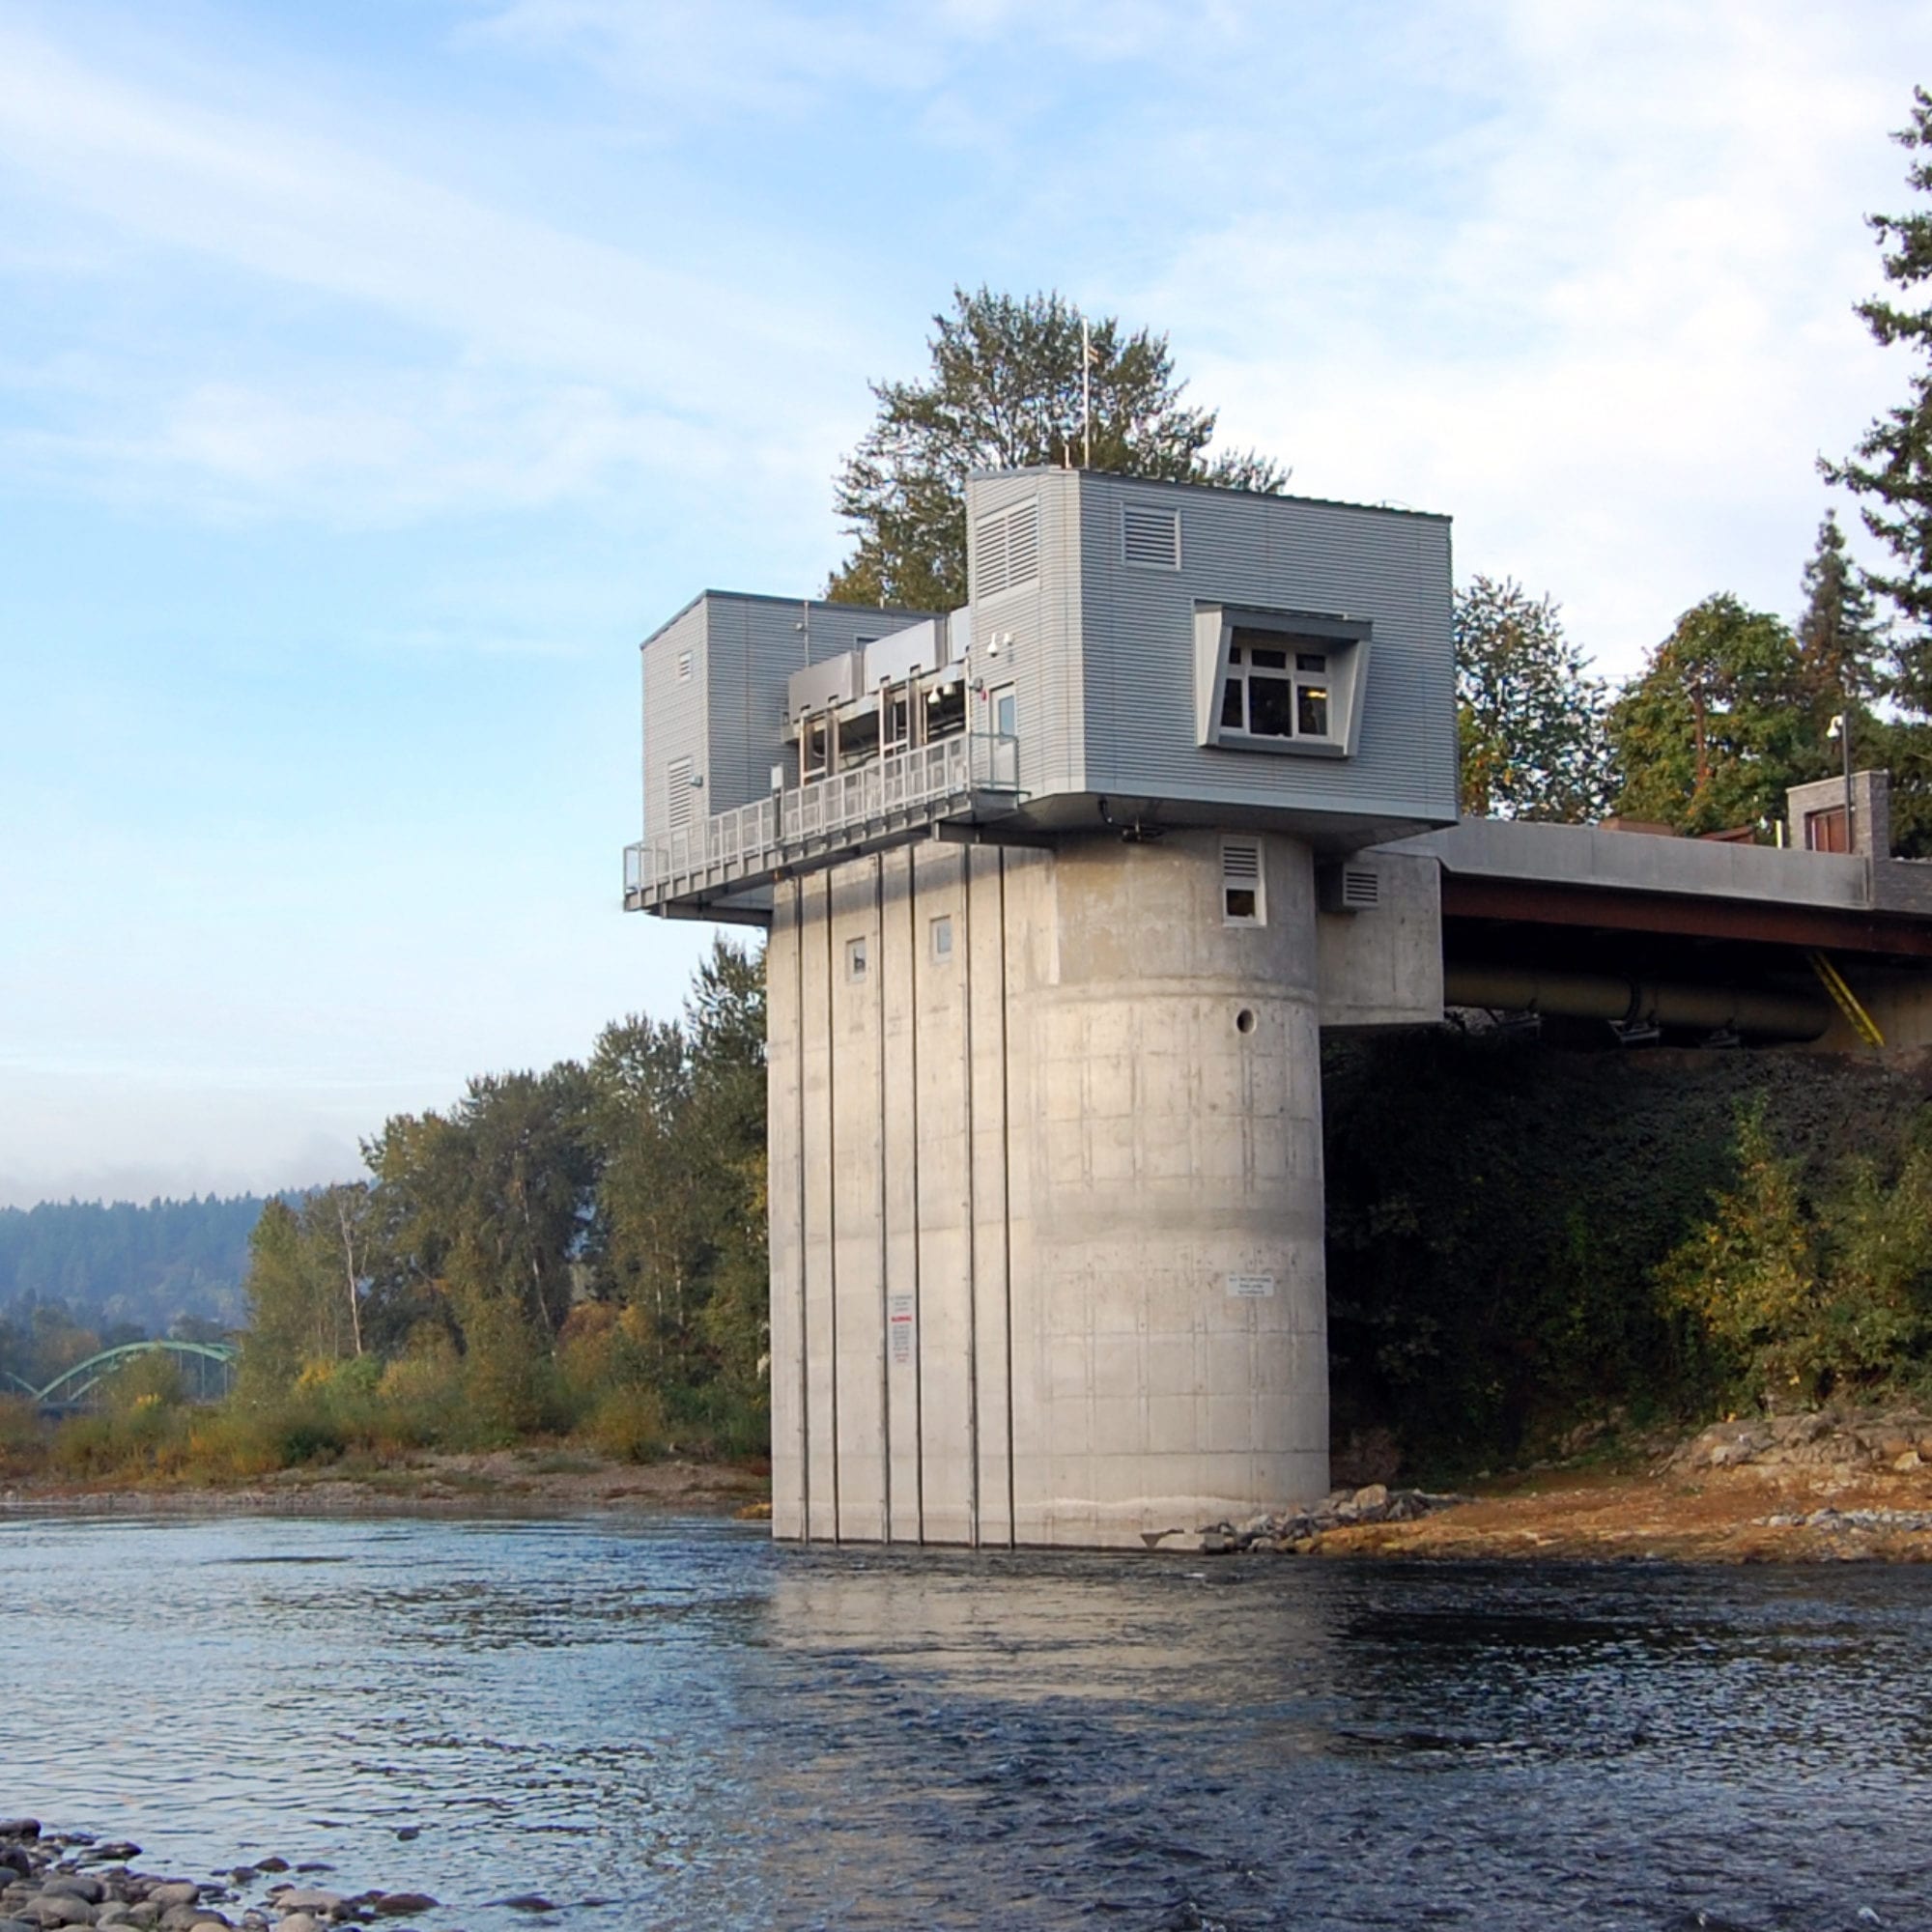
(898, 1320)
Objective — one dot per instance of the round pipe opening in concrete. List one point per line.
(1244, 1021)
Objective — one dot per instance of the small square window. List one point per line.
(942, 940)
(856, 955)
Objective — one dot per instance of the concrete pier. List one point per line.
(1046, 1222)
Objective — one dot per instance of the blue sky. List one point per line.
(373, 375)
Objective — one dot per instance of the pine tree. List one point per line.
(1530, 716)
(1891, 467)
(1838, 633)
(1005, 394)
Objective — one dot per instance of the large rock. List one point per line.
(173, 1891)
(308, 1898)
(58, 1908)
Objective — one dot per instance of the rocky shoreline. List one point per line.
(60, 1879)
(1296, 1532)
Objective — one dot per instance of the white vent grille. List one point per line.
(1241, 900)
(1007, 554)
(1151, 536)
(681, 799)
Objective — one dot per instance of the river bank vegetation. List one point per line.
(576, 1254)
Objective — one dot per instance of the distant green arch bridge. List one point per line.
(208, 1374)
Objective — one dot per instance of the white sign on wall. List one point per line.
(898, 1322)
(1251, 1286)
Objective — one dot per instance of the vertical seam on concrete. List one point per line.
(918, 1312)
(972, 1248)
(885, 1296)
(1006, 1198)
(798, 1162)
(831, 1182)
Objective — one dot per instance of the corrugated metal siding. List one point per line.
(746, 648)
(1281, 552)
(674, 723)
(1042, 660)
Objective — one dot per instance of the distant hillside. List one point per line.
(127, 1265)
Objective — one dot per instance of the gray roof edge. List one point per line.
(1213, 489)
(792, 603)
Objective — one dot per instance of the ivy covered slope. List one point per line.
(1521, 1239)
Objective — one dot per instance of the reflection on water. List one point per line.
(675, 1724)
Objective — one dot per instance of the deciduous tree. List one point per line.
(1719, 723)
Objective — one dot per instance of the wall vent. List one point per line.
(681, 796)
(1151, 536)
(1242, 902)
(1349, 889)
(1006, 553)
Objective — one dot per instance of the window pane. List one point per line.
(1311, 711)
(1006, 713)
(1308, 660)
(1240, 903)
(1231, 704)
(1268, 660)
(1270, 707)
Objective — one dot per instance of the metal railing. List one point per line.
(919, 786)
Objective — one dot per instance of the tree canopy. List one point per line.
(588, 1239)
(1530, 716)
(1719, 723)
(1891, 469)
(1005, 393)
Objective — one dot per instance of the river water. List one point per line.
(673, 1723)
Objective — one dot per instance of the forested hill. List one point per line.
(126, 1266)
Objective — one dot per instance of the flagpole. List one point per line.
(1086, 396)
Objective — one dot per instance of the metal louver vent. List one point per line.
(1151, 536)
(1348, 889)
(1240, 863)
(1006, 553)
(678, 794)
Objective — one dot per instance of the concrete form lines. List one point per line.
(799, 1162)
(831, 1180)
(917, 1314)
(885, 1284)
(1007, 1200)
(966, 855)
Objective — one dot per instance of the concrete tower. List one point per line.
(1061, 890)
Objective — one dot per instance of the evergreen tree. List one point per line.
(1719, 723)
(1838, 633)
(1890, 470)
(1005, 394)
(1530, 716)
